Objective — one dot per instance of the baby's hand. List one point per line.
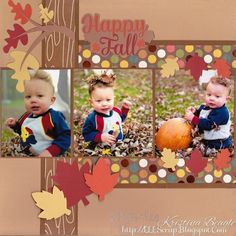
(192, 109)
(127, 104)
(45, 153)
(10, 122)
(108, 138)
(189, 115)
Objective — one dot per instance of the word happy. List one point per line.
(121, 37)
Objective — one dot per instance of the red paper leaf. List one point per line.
(222, 159)
(16, 35)
(101, 181)
(222, 67)
(71, 181)
(196, 163)
(196, 65)
(22, 14)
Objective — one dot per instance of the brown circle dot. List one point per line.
(125, 163)
(170, 170)
(134, 67)
(152, 48)
(153, 168)
(86, 64)
(234, 53)
(218, 182)
(190, 179)
(188, 57)
(181, 182)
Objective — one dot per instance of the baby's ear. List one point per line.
(53, 99)
(228, 98)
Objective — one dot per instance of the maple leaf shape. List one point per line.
(53, 204)
(196, 163)
(71, 181)
(168, 157)
(46, 15)
(21, 70)
(222, 159)
(21, 14)
(170, 67)
(16, 35)
(101, 181)
(196, 65)
(222, 67)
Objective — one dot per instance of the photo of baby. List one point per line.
(206, 112)
(43, 130)
(105, 127)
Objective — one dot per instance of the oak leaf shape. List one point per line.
(196, 163)
(222, 159)
(168, 157)
(70, 179)
(170, 67)
(21, 70)
(22, 14)
(53, 204)
(45, 14)
(101, 181)
(196, 65)
(222, 67)
(16, 35)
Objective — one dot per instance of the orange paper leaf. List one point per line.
(101, 181)
(222, 159)
(222, 67)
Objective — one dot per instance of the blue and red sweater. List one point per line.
(48, 131)
(97, 123)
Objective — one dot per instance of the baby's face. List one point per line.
(38, 96)
(102, 100)
(216, 95)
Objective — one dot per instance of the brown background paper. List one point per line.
(170, 20)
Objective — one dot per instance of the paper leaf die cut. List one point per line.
(72, 182)
(101, 181)
(53, 204)
(168, 157)
(196, 163)
(222, 159)
(45, 14)
(21, 71)
(170, 67)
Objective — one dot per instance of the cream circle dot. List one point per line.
(115, 167)
(86, 53)
(161, 53)
(142, 64)
(180, 173)
(105, 64)
(124, 181)
(234, 63)
(208, 179)
(143, 163)
(189, 48)
(79, 59)
(152, 179)
(124, 64)
(162, 173)
(152, 59)
(181, 162)
(208, 58)
(217, 53)
(96, 59)
(217, 173)
(143, 182)
(227, 178)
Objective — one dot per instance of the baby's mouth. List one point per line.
(35, 108)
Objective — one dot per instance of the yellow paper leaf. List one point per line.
(106, 151)
(45, 14)
(21, 71)
(168, 157)
(170, 67)
(53, 204)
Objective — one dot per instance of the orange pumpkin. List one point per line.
(174, 134)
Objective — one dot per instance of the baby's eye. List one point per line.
(98, 101)
(40, 95)
(27, 97)
(108, 100)
(218, 96)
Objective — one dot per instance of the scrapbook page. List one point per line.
(117, 117)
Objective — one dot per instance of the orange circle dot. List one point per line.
(124, 173)
(142, 54)
(207, 48)
(143, 174)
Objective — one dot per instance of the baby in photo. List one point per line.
(104, 123)
(213, 118)
(44, 132)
